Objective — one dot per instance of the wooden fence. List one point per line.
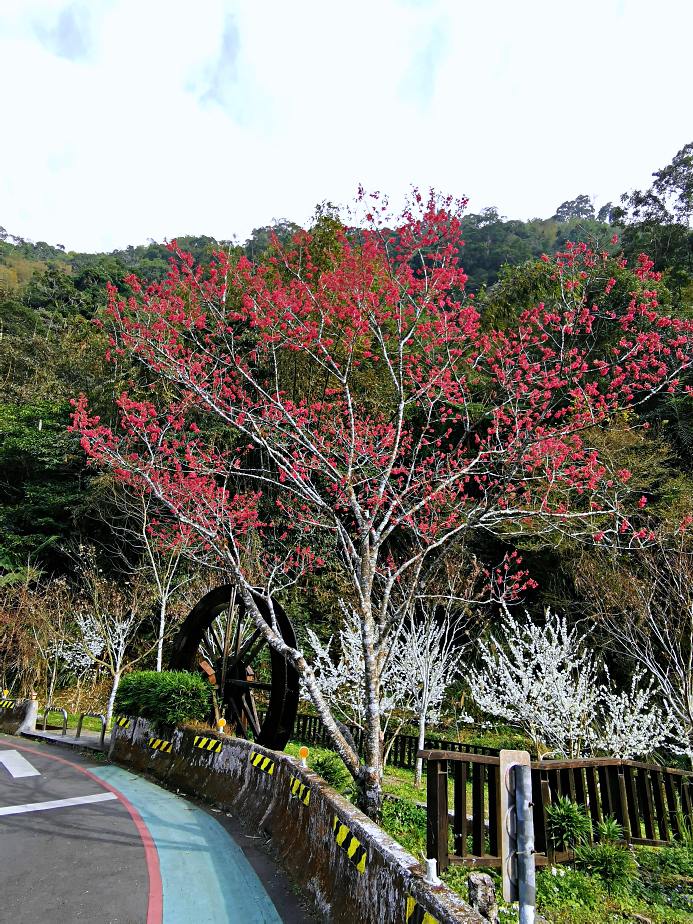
(650, 802)
(311, 730)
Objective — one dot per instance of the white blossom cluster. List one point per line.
(342, 680)
(423, 660)
(426, 658)
(79, 656)
(545, 680)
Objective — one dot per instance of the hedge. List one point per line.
(164, 697)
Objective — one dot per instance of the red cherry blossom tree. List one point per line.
(347, 402)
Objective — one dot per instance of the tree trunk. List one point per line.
(111, 698)
(162, 630)
(422, 736)
(369, 792)
(369, 780)
(54, 673)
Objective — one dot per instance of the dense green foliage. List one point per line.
(332, 769)
(610, 863)
(166, 698)
(569, 824)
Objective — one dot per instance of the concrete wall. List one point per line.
(17, 715)
(353, 871)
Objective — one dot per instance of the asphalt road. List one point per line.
(87, 841)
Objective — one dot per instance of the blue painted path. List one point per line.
(205, 876)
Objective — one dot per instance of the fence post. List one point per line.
(437, 802)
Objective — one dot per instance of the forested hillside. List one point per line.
(51, 351)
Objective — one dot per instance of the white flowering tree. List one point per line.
(136, 521)
(108, 621)
(339, 671)
(546, 680)
(426, 659)
(649, 619)
(632, 723)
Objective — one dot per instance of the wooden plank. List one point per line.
(538, 812)
(618, 808)
(451, 755)
(473, 862)
(646, 802)
(686, 800)
(566, 783)
(660, 804)
(545, 803)
(672, 805)
(579, 786)
(623, 804)
(555, 784)
(495, 833)
(604, 790)
(594, 800)
(478, 826)
(437, 813)
(459, 824)
(632, 799)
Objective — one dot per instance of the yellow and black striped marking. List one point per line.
(158, 744)
(122, 721)
(262, 762)
(207, 744)
(416, 914)
(6, 703)
(350, 844)
(299, 789)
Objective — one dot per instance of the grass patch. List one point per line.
(89, 723)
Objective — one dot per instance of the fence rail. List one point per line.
(653, 804)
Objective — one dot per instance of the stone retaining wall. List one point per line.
(353, 871)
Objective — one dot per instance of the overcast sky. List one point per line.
(124, 120)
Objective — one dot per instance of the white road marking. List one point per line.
(56, 803)
(17, 765)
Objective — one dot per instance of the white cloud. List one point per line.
(126, 120)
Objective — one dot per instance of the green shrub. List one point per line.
(609, 830)
(405, 814)
(685, 832)
(569, 824)
(164, 697)
(611, 864)
(332, 769)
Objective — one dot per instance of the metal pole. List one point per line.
(526, 882)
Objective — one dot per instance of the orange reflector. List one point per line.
(303, 752)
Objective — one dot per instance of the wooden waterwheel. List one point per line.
(256, 688)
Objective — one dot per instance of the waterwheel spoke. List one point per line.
(248, 704)
(249, 649)
(250, 684)
(238, 718)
